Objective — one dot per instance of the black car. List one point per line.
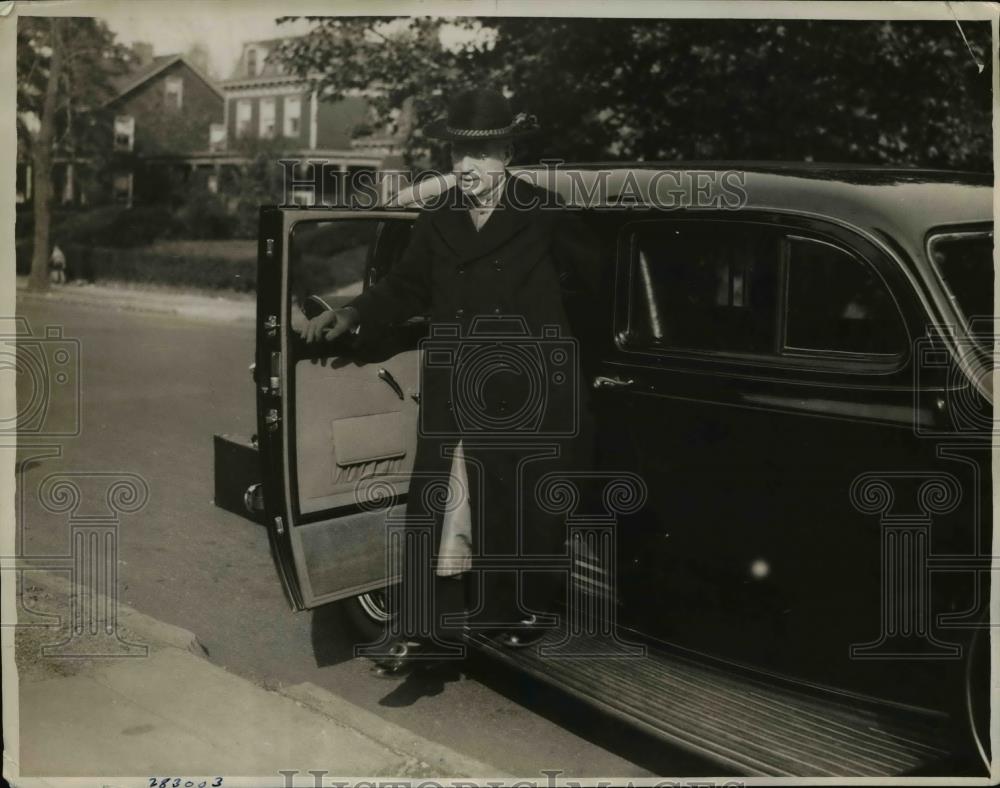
(792, 373)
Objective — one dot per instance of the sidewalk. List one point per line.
(173, 712)
(234, 307)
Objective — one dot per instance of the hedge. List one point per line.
(157, 266)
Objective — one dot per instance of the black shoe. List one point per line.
(525, 634)
(402, 659)
(406, 657)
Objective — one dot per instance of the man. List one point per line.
(495, 252)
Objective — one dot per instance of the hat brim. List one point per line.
(438, 130)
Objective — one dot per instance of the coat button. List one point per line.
(461, 269)
(459, 312)
(497, 310)
(497, 266)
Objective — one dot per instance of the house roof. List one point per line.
(126, 83)
(268, 66)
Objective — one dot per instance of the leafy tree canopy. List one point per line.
(899, 93)
(90, 60)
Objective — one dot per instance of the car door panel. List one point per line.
(753, 546)
(334, 423)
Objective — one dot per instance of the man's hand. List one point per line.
(331, 324)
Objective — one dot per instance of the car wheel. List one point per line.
(369, 614)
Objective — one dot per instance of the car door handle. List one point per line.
(386, 376)
(604, 382)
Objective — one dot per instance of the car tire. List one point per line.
(369, 614)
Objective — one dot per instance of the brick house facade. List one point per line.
(163, 113)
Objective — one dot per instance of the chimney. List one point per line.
(143, 52)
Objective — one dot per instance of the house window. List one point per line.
(293, 116)
(174, 92)
(121, 187)
(267, 106)
(216, 136)
(244, 113)
(124, 133)
(251, 62)
(303, 197)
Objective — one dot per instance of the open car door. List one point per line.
(326, 419)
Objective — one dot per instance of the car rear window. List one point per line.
(964, 262)
(838, 304)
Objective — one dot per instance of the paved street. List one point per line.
(155, 389)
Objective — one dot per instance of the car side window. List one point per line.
(703, 286)
(837, 303)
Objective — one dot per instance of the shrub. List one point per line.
(204, 216)
(162, 265)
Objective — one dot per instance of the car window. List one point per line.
(964, 262)
(327, 258)
(703, 286)
(838, 303)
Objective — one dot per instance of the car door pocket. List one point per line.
(369, 440)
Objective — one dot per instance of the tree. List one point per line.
(64, 66)
(893, 93)
(42, 159)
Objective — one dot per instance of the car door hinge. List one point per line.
(279, 525)
(271, 325)
(275, 378)
(269, 247)
(271, 419)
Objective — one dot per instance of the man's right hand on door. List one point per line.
(331, 324)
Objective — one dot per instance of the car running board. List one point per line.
(754, 727)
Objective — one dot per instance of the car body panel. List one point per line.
(777, 565)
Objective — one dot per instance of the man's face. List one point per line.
(478, 165)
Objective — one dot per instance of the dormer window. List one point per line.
(174, 92)
(251, 62)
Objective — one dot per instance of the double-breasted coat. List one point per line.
(500, 372)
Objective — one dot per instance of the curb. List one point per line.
(427, 756)
(142, 625)
(423, 757)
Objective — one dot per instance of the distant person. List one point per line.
(57, 266)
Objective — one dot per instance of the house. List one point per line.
(164, 111)
(263, 102)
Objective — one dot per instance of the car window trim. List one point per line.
(779, 357)
(872, 359)
(939, 234)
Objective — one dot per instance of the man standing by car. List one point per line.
(490, 262)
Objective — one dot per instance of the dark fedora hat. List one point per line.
(481, 115)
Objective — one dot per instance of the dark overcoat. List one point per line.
(501, 371)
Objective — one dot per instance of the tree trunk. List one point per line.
(42, 163)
